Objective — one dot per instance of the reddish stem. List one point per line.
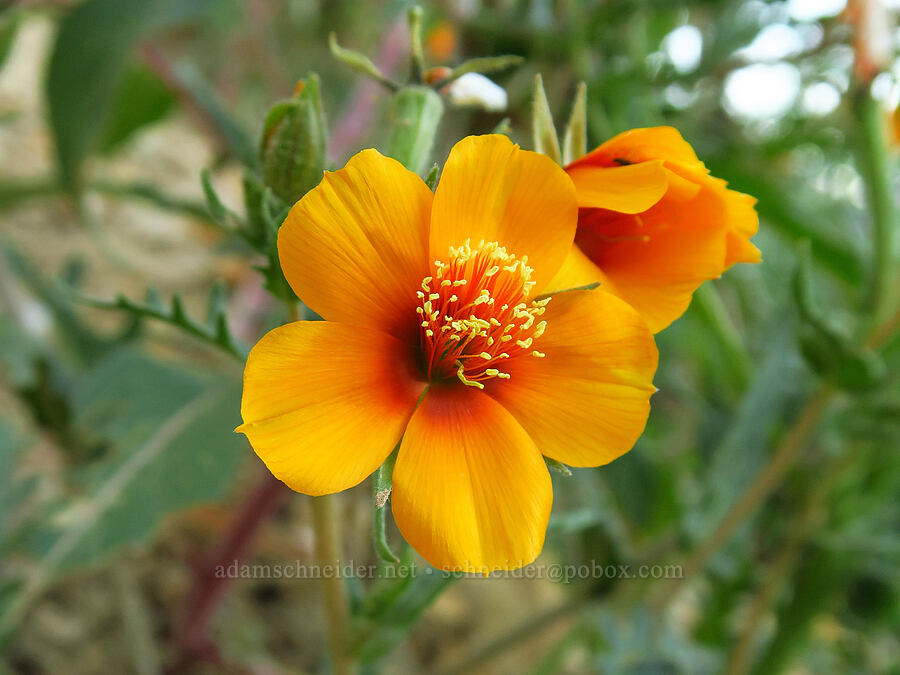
(193, 641)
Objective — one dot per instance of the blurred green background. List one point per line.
(769, 470)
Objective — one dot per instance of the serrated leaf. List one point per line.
(214, 332)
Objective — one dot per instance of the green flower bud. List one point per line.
(292, 151)
(415, 114)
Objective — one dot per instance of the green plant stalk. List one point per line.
(711, 307)
(326, 527)
(806, 522)
(874, 165)
(334, 590)
(784, 457)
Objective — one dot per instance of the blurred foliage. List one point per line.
(114, 427)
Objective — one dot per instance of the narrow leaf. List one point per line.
(545, 139)
(483, 64)
(381, 490)
(503, 127)
(359, 62)
(575, 138)
(558, 467)
(10, 20)
(431, 178)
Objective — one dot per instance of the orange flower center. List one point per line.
(474, 314)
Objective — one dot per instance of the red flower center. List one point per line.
(474, 314)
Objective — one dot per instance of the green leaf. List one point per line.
(545, 139)
(151, 194)
(575, 138)
(395, 606)
(503, 127)
(221, 214)
(92, 46)
(273, 212)
(173, 446)
(10, 20)
(215, 332)
(431, 178)
(14, 492)
(821, 576)
(381, 492)
(558, 467)
(359, 62)
(141, 99)
(482, 64)
(827, 351)
(776, 383)
(233, 135)
(78, 336)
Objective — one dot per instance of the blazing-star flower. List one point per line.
(436, 331)
(653, 224)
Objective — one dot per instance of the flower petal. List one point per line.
(355, 247)
(491, 189)
(471, 491)
(577, 270)
(325, 403)
(586, 402)
(656, 260)
(642, 145)
(628, 189)
(744, 222)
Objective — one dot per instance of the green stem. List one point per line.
(149, 193)
(481, 655)
(784, 457)
(326, 525)
(805, 523)
(874, 165)
(711, 307)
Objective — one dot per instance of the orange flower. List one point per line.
(435, 332)
(653, 224)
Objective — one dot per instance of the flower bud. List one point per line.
(415, 113)
(292, 151)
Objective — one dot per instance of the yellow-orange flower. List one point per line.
(653, 224)
(435, 332)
